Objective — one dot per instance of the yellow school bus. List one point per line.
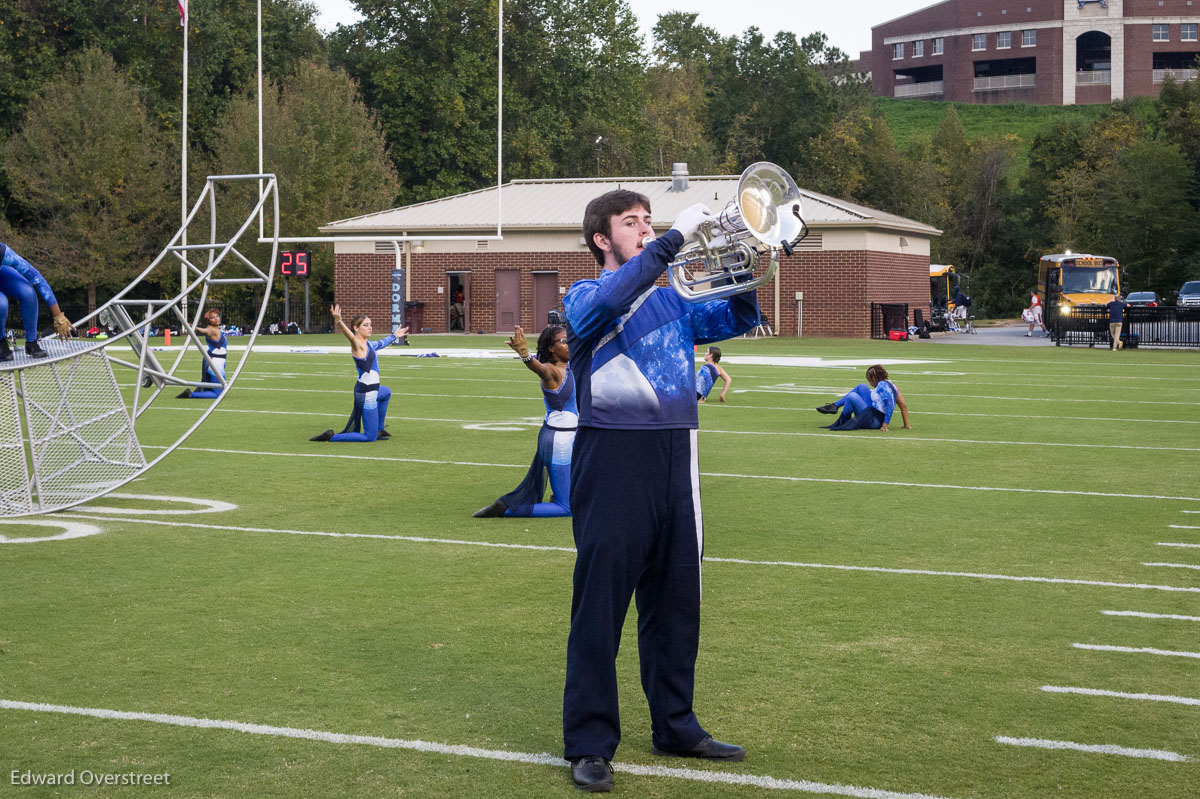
(943, 281)
(1070, 280)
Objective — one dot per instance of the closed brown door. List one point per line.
(508, 300)
(545, 298)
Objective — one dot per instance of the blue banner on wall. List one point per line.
(397, 298)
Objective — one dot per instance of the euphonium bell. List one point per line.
(721, 261)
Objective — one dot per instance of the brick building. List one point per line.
(1049, 52)
(853, 256)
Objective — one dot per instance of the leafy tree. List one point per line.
(145, 39)
(1143, 215)
(89, 169)
(428, 68)
(324, 145)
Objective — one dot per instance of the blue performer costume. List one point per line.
(866, 408)
(635, 495)
(370, 398)
(20, 281)
(555, 441)
(218, 350)
(706, 378)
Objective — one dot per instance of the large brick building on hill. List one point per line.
(1049, 52)
(853, 256)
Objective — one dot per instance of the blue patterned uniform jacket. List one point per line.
(9, 257)
(633, 344)
(883, 399)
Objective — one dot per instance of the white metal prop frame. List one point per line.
(68, 427)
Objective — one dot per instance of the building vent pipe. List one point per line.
(679, 177)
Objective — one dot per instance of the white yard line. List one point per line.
(1177, 544)
(739, 561)
(839, 481)
(788, 433)
(1174, 565)
(922, 395)
(462, 750)
(1138, 650)
(905, 437)
(1184, 526)
(1178, 700)
(1100, 749)
(1141, 615)
(329, 534)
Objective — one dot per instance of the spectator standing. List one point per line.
(1035, 314)
(1116, 320)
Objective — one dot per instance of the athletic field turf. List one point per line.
(1003, 601)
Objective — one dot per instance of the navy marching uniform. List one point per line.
(635, 495)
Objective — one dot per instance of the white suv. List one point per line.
(1189, 295)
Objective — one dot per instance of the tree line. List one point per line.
(401, 107)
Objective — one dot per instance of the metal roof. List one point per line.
(557, 205)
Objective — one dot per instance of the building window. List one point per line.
(1029, 38)
(1187, 32)
(939, 46)
(1003, 40)
(1162, 33)
(897, 51)
(979, 41)
(919, 48)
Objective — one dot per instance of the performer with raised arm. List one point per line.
(370, 398)
(635, 487)
(556, 437)
(218, 350)
(19, 281)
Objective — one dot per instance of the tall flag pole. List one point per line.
(183, 275)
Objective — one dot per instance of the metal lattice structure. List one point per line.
(69, 423)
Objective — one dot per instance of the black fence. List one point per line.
(887, 317)
(1144, 327)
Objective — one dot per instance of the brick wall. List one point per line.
(838, 286)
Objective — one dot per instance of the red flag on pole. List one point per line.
(182, 12)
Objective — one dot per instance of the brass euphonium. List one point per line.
(721, 260)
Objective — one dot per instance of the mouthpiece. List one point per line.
(647, 240)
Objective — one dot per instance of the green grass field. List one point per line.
(879, 609)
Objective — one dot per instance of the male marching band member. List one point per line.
(635, 491)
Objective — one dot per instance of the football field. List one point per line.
(1003, 601)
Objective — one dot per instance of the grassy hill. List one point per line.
(913, 119)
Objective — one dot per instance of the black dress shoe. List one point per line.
(328, 434)
(5, 350)
(34, 350)
(592, 774)
(495, 510)
(830, 408)
(185, 394)
(709, 749)
(383, 435)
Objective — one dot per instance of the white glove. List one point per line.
(690, 219)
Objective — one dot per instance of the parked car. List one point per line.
(1189, 294)
(1145, 299)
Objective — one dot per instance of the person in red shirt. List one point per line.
(1035, 314)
